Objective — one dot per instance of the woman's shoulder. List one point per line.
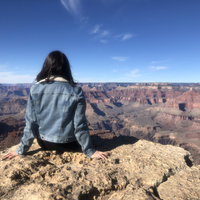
(78, 90)
(64, 87)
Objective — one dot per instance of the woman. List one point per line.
(55, 112)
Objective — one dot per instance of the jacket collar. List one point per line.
(54, 78)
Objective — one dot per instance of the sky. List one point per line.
(104, 40)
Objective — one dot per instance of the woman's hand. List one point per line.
(99, 154)
(10, 155)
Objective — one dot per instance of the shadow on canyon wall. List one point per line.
(98, 111)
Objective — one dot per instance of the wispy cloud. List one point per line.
(96, 29)
(119, 58)
(104, 41)
(114, 70)
(3, 66)
(133, 73)
(162, 61)
(103, 33)
(158, 67)
(125, 36)
(11, 77)
(72, 6)
(99, 33)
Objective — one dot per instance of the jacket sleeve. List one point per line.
(80, 125)
(30, 129)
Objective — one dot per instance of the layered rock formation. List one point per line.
(180, 122)
(11, 131)
(13, 106)
(189, 99)
(7, 92)
(135, 169)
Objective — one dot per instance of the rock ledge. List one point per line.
(138, 170)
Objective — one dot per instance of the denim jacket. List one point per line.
(56, 113)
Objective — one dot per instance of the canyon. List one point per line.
(166, 113)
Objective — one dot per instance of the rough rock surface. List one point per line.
(184, 185)
(134, 170)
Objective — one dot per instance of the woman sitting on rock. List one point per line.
(55, 112)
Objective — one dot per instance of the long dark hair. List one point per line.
(56, 64)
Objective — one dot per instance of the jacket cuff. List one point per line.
(90, 152)
(22, 149)
(19, 151)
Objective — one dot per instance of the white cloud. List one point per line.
(72, 6)
(103, 33)
(158, 67)
(10, 77)
(104, 41)
(133, 73)
(100, 33)
(125, 36)
(162, 61)
(96, 29)
(119, 58)
(3, 67)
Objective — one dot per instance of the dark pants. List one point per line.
(59, 146)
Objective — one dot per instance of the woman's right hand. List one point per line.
(99, 154)
(10, 155)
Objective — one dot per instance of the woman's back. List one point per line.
(55, 110)
(55, 105)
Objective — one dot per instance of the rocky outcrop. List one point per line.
(135, 169)
(184, 185)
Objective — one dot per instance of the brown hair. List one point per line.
(56, 64)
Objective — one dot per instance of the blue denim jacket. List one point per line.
(56, 113)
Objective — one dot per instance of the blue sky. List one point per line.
(104, 40)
